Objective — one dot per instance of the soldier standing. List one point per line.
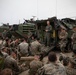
(48, 31)
(73, 37)
(63, 35)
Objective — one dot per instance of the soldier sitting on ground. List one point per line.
(4, 52)
(35, 47)
(11, 63)
(53, 68)
(71, 68)
(35, 65)
(23, 47)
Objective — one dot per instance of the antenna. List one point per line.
(56, 8)
(37, 10)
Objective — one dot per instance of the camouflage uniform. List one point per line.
(23, 47)
(48, 35)
(63, 40)
(35, 48)
(12, 64)
(34, 66)
(73, 37)
(52, 69)
(71, 70)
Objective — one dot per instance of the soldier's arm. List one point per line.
(60, 36)
(39, 47)
(41, 71)
(73, 36)
(50, 28)
(16, 67)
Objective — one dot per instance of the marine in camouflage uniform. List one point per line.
(11, 63)
(53, 68)
(35, 47)
(63, 36)
(73, 37)
(48, 31)
(23, 47)
(34, 66)
(71, 68)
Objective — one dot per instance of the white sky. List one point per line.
(11, 11)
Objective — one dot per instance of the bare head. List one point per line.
(48, 22)
(52, 57)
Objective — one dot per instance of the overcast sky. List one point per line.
(11, 11)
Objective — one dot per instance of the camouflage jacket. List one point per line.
(34, 66)
(11, 63)
(23, 47)
(63, 35)
(35, 48)
(70, 71)
(52, 69)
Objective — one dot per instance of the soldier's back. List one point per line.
(35, 47)
(34, 66)
(52, 69)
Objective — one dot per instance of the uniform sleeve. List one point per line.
(73, 36)
(41, 71)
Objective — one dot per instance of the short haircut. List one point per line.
(23, 39)
(52, 57)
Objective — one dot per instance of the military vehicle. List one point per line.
(19, 30)
(38, 27)
(22, 30)
(57, 24)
